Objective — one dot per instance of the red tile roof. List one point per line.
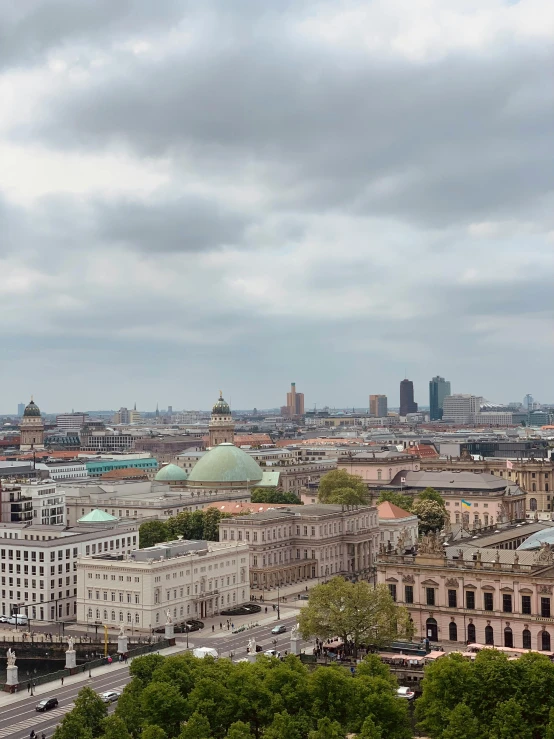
(131, 472)
(389, 510)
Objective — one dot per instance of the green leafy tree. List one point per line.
(508, 722)
(144, 667)
(114, 728)
(327, 729)
(90, 709)
(153, 732)
(128, 707)
(283, 726)
(239, 730)
(431, 515)
(197, 525)
(163, 706)
(354, 611)
(549, 733)
(179, 525)
(339, 480)
(462, 724)
(432, 494)
(272, 495)
(402, 501)
(152, 533)
(370, 730)
(212, 517)
(371, 666)
(71, 727)
(376, 697)
(197, 727)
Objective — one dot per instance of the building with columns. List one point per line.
(190, 579)
(306, 543)
(31, 428)
(222, 426)
(475, 594)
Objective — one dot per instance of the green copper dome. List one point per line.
(171, 473)
(97, 516)
(32, 409)
(226, 463)
(221, 408)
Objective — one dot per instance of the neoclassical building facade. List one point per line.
(475, 595)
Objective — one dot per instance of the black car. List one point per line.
(47, 704)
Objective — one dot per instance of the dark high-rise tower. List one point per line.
(439, 388)
(407, 404)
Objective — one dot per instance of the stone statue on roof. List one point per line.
(545, 555)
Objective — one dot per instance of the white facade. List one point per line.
(71, 421)
(38, 565)
(190, 579)
(494, 418)
(48, 502)
(64, 470)
(461, 409)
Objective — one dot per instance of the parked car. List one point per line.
(18, 619)
(405, 693)
(47, 704)
(110, 696)
(272, 653)
(279, 629)
(4, 619)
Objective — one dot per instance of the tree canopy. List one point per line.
(356, 612)
(490, 698)
(402, 501)
(181, 697)
(273, 495)
(428, 506)
(86, 719)
(196, 525)
(334, 485)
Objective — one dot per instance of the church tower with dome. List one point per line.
(31, 428)
(222, 427)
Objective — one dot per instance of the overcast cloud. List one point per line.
(238, 195)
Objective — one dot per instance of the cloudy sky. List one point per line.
(236, 194)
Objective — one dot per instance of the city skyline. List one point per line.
(209, 195)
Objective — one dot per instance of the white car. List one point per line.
(272, 653)
(405, 693)
(110, 696)
(21, 620)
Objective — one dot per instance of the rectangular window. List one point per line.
(430, 596)
(392, 591)
(470, 599)
(488, 602)
(526, 604)
(409, 593)
(545, 607)
(506, 603)
(452, 598)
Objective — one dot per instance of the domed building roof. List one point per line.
(226, 463)
(221, 408)
(97, 516)
(32, 409)
(171, 473)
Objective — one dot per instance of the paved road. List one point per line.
(17, 720)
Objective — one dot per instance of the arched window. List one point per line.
(545, 641)
(120, 615)
(471, 634)
(489, 634)
(526, 639)
(89, 614)
(113, 615)
(452, 631)
(97, 614)
(532, 504)
(129, 618)
(431, 629)
(137, 618)
(508, 637)
(105, 615)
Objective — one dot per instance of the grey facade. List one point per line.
(439, 388)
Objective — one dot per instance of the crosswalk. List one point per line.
(34, 721)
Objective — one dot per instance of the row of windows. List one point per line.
(17, 554)
(324, 530)
(488, 600)
(110, 545)
(544, 640)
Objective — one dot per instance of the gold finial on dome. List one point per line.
(221, 394)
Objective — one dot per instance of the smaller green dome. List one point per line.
(171, 473)
(97, 516)
(32, 409)
(221, 408)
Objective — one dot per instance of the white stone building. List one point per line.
(190, 579)
(38, 564)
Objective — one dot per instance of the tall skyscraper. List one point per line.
(20, 409)
(439, 388)
(378, 406)
(295, 403)
(407, 404)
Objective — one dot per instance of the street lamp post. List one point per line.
(278, 608)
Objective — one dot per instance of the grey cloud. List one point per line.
(187, 225)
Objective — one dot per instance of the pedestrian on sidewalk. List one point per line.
(62, 681)
(213, 628)
(28, 687)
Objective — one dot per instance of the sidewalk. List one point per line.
(9, 699)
